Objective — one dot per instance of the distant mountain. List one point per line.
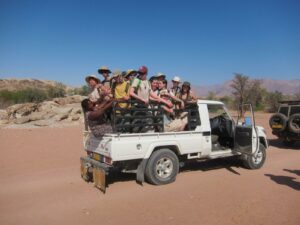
(287, 87)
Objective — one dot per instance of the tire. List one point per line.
(162, 167)
(255, 162)
(294, 123)
(278, 122)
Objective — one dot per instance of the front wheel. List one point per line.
(162, 167)
(257, 161)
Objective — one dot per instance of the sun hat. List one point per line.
(116, 73)
(185, 83)
(158, 75)
(130, 72)
(176, 79)
(103, 69)
(92, 76)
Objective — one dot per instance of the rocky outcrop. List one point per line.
(60, 111)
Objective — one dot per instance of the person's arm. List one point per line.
(134, 95)
(177, 100)
(100, 110)
(160, 100)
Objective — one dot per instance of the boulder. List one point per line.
(3, 114)
(43, 123)
(75, 117)
(36, 116)
(69, 99)
(61, 117)
(22, 120)
(47, 106)
(20, 110)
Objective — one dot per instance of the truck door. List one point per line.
(246, 139)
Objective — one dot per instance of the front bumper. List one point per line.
(92, 170)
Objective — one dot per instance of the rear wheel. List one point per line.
(278, 122)
(257, 161)
(294, 123)
(162, 167)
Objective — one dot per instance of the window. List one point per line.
(217, 110)
(294, 110)
(284, 110)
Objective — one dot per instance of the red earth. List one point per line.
(41, 184)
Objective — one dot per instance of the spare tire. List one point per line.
(278, 122)
(294, 123)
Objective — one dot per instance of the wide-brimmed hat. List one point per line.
(92, 76)
(103, 69)
(116, 73)
(130, 72)
(176, 79)
(186, 83)
(158, 75)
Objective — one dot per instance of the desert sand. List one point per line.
(41, 185)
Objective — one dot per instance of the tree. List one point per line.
(240, 85)
(256, 94)
(273, 99)
(211, 95)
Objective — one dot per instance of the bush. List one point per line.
(8, 98)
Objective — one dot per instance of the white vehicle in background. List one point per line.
(156, 156)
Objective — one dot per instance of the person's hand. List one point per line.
(170, 104)
(146, 102)
(126, 98)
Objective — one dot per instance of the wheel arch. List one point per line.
(174, 147)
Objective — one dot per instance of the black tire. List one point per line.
(278, 122)
(294, 123)
(255, 162)
(162, 167)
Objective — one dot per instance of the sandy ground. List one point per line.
(41, 184)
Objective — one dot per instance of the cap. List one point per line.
(176, 79)
(143, 70)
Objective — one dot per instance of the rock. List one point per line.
(47, 106)
(42, 123)
(62, 110)
(3, 114)
(19, 110)
(61, 117)
(48, 115)
(36, 116)
(69, 100)
(75, 117)
(24, 119)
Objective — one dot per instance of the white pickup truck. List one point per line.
(157, 156)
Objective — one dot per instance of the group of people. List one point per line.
(120, 87)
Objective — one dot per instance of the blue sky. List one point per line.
(204, 42)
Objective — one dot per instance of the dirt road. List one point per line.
(41, 185)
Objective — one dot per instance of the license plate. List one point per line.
(96, 156)
(277, 126)
(99, 178)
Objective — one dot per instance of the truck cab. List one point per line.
(211, 133)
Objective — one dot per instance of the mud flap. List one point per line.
(99, 177)
(140, 173)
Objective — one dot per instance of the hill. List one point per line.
(22, 84)
(286, 87)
